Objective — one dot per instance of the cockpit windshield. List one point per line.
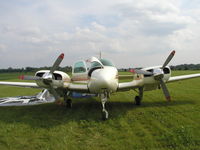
(105, 62)
(83, 66)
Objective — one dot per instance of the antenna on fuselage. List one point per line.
(99, 54)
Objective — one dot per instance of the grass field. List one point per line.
(156, 124)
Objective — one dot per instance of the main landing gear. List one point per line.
(138, 98)
(104, 97)
(67, 101)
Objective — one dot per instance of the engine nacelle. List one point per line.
(59, 80)
(152, 81)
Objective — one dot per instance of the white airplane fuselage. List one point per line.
(105, 79)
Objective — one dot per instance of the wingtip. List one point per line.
(132, 70)
(21, 77)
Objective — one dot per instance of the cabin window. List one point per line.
(79, 67)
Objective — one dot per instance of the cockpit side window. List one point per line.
(79, 67)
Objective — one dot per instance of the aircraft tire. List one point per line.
(137, 100)
(69, 103)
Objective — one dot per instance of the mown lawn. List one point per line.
(156, 124)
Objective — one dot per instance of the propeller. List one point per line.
(162, 83)
(54, 93)
(159, 75)
(165, 90)
(169, 58)
(47, 78)
(57, 63)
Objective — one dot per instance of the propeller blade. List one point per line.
(165, 90)
(137, 71)
(54, 93)
(169, 58)
(57, 63)
(29, 77)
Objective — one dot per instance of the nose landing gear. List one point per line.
(104, 97)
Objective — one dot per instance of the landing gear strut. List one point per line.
(104, 98)
(138, 99)
(67, 101)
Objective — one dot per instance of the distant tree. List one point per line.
(186, 67)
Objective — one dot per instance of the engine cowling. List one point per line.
(59, 79)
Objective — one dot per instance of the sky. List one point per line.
(131, 33)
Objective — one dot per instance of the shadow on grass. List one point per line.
(50, 115)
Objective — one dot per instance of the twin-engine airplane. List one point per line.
(94, 77)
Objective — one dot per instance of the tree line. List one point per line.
(34, 69)
(69, 68)
(186, 67)
(176, 67)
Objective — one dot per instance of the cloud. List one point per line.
(129, 32)
(2, 48)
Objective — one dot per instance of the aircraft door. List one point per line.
(79, 71)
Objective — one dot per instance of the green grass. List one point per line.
(156, 124)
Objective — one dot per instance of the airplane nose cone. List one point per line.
(104, 82)
(103, 79)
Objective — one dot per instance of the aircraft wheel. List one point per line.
(69, 103)
(137, 100)
(104, 115)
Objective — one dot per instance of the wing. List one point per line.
(183, 77)
(123, 77)
(20, 84)
(72, 86)
(125, 86)
(78, 87)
